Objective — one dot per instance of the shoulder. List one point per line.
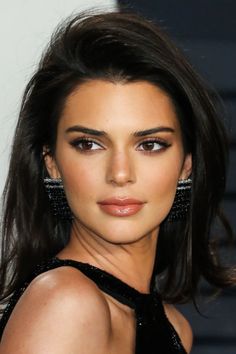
(58, 313)
(181, 326)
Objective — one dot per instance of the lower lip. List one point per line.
(121, 210)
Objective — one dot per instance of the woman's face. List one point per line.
(119, 162)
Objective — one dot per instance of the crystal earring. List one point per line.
(57, 198)
(181, 203)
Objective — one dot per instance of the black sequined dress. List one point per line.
(154, 332)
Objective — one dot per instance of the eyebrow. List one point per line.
(80, 128)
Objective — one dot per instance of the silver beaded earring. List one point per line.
(57, 198)
(181, 203)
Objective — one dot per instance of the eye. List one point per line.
(154, 145)
(84, 144)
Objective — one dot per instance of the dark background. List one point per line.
(206, 31)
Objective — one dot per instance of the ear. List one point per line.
(50, 163)
(187, 167)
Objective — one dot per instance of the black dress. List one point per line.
(154, 333)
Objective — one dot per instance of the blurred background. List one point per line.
(206, 32)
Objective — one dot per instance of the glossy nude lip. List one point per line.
(121, 206)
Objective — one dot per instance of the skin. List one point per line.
(116, 165)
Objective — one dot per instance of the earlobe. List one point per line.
(50, 164)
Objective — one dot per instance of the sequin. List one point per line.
(154, 332)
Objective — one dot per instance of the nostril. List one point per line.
(120, 182)
(121, 173)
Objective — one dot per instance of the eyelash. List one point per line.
(75, 143)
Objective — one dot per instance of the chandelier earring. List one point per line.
(181, 204)
(57, 198)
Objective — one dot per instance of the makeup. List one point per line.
(121, 206)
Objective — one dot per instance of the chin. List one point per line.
(126, 235)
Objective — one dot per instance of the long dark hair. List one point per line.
(118, 46)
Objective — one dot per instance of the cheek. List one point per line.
(160, 185)
(164, 172)
(80, 180)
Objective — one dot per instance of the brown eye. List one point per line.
(148, 146)
(154, 145)
(85, 144)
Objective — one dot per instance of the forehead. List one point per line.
(101, 104)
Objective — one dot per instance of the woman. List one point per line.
(118, 146)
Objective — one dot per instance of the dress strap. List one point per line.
(153, 329)
(105, 281)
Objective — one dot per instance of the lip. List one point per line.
(120, 201)
(121, 206)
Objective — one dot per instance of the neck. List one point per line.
(132, 263)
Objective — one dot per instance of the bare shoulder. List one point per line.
(181, 326)
(58, 313)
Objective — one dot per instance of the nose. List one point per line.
(120, 170)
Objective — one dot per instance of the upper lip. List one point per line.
(120, 201)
